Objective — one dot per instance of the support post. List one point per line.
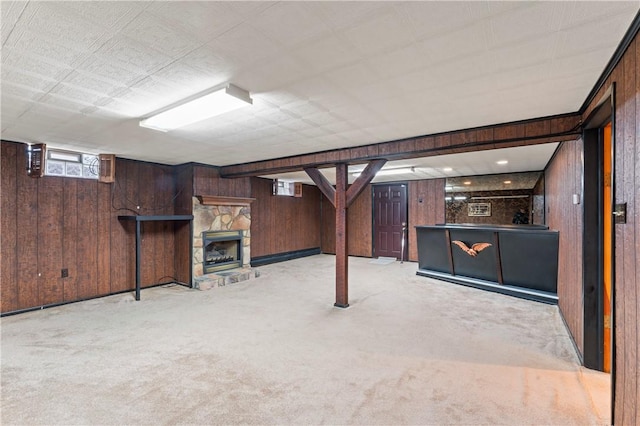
(138, 255)
(341, 198)
(342, 255)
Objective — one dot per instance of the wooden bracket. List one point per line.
(322, 183)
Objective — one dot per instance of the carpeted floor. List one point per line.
(274, 350)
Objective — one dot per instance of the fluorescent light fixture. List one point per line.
(467, 182)
(387, 172)
(507, 182)
(460, 198)
(447, 169)
(502, 162)
(197, 109)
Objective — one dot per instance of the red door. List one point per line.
(390, 220)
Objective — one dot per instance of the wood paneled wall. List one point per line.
(428, 212)
(426, 207)
(359, 226)
(282, 224)
(55, 223)
(626, 76)
(563, 178)
(207, 181)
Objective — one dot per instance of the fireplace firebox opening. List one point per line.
(221, 250)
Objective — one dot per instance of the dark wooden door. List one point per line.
(389, 220)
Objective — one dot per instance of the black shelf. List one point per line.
(141, 218)
(138, 219)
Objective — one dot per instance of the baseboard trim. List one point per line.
(57, 304)
(573, 340)
(282, 257)
(520, 292)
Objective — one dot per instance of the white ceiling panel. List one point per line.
(110, 15)
(159, 34)
(384, 31)
(519, 159)
(244, 45)
(291, 23)
(198, 20)
(323, 75)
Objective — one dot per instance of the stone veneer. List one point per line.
(211, 217)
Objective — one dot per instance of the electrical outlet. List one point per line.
(64, 273)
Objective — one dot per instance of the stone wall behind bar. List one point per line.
(502, 209)
(219, 218)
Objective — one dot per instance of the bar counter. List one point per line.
(518, 260)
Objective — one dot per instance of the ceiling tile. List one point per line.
(157, 34)
(469, 40)
(201, 20)
(10, 13)
(34, 65)
(382, 32)
(60, 26)
(323, 75)
(325, 54)
(46, 49)
(89, 82)
(110, 71)
(130, 54)
(184, 78)
(397, 63)
(578, 14)
(267, 75)
(33, 83)
(291, 23)
(244, 45)
(526, 23)
(429, 19)
(587, 37)
(206, 60)
(110, 15)
(75, 94)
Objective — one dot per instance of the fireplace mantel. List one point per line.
(215, 200)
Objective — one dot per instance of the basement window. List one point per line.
(287, 189)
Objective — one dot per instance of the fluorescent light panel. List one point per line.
(211, 104)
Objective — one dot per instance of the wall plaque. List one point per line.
(479, 209)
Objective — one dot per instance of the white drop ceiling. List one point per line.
(519, 159)
(323, 75)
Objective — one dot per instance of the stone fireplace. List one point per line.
(221, 239)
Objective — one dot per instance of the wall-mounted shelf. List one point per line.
(215, 200)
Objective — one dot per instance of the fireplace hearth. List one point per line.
(221, 250)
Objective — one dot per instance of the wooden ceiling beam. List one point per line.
(521, 133)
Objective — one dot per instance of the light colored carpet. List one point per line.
(382, 260)
(274, 350)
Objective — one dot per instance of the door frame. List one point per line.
(373, 216)
(593, 235)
